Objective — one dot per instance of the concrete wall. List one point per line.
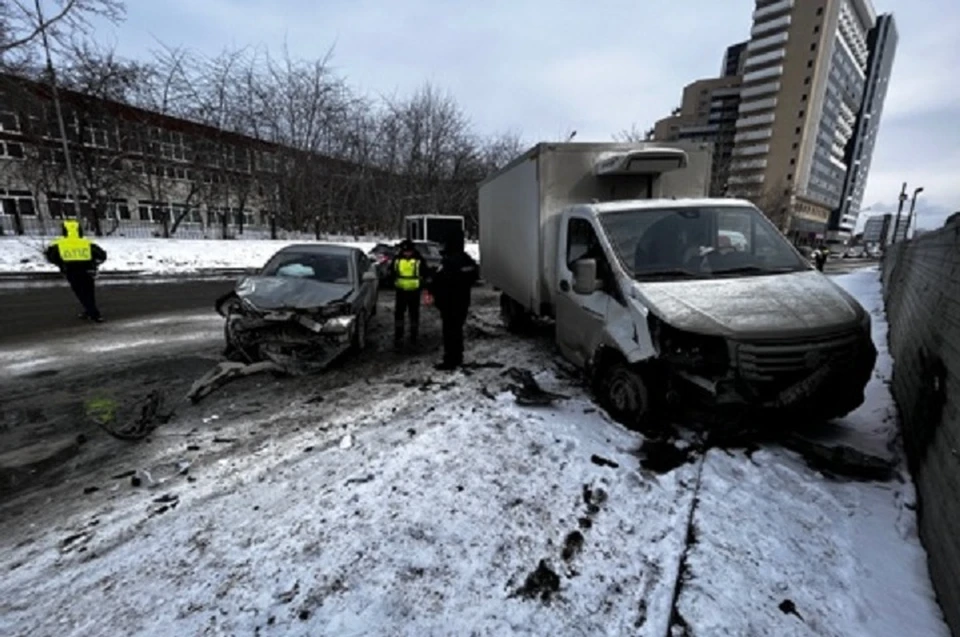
(922, 295)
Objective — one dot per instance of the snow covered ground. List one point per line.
(162, 256)
(415, 504)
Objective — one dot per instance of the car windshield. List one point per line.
(326, 268)
(698, 242)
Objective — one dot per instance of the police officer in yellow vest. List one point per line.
(78, 257)
(407, 272)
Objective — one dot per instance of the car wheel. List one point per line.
(360, 334)
(624, 395)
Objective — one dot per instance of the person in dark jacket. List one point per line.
(408, 272)
(450, 287)
(78, 258)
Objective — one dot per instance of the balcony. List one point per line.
(747, 151)
(753, 164)
(767, 42)
(765, 58)
(745, 179)
(758, 105)
(707, 130)
(763, 74)
(772, 9)
(756, 120)
(763, 89)
(777, 24)
(754, 135)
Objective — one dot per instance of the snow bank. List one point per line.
(782, 550)
(162, 256)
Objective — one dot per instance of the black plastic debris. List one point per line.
(603, 462)
(527, 390)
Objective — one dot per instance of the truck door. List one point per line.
(580, 317)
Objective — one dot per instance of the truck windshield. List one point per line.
(698, 242)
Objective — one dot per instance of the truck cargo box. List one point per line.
(518, 205)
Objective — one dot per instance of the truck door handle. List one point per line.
(564, 286)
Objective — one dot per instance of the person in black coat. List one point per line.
(78, 258)
(450, 287)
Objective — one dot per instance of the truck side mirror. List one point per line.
(585, 276)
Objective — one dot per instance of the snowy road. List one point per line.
(34, 311)
(409, 503)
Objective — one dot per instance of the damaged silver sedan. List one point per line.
(309, 304)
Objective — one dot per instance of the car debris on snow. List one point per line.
(225, 372)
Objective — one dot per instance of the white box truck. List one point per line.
(663, 295)
(434, 228)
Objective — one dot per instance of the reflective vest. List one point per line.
(73, 248)
(408, 274)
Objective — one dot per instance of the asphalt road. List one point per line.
(27, 312)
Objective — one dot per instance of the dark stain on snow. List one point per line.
(585, 523)
(542, 582)
(572, 545)
(663, 456)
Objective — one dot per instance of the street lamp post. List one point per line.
(896, 223)
(910, 217)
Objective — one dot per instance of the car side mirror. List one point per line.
(585, 276)
(369, 276)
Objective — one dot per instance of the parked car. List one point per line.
(430, 251)
(856, 252)
(307, 306)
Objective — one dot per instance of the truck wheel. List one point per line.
(514, 316)
(624, 395)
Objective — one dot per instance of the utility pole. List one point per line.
(52, 77)
(910, 217)
(896, 223)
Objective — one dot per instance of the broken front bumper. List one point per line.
(298, 343)
(805, 379)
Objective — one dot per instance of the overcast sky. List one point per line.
(546, 67)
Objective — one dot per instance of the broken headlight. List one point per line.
(338, 325)
(704, 355)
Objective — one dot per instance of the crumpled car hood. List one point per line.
(279, 292)
(791, 302)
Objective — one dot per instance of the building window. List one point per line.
(798, 130)
(806, 80)
(802, 114)
(795, 145)
(793, 161)
(820, 11)
(816, 29)
(813, 47)
(809, 64)
(803, 98)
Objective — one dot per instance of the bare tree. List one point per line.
(22, 23)
(775, 203)
(633, 135)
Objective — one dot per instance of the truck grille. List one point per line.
(785, 360)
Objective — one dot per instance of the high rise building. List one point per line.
(882, 44)
(803, 84)
(733, 59)
(707, 113)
